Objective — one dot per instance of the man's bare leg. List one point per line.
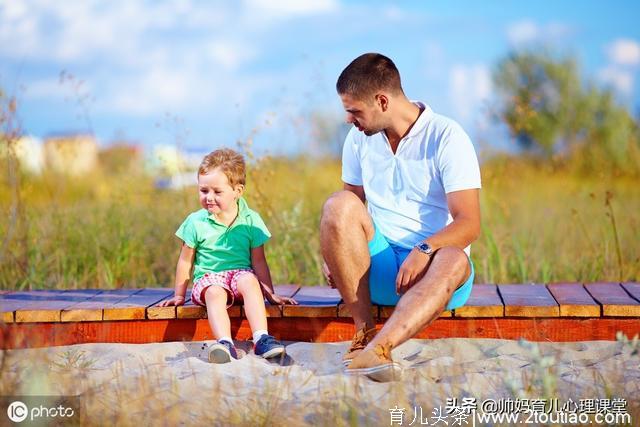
(345, 230)
(426, 299)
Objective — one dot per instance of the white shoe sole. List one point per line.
(274, 352)
(382, 373)
(219, 355)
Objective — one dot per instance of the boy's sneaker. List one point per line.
(268, 347)
(222, 352)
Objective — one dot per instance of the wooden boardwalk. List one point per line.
(537, 312)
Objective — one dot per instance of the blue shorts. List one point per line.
(386, 260)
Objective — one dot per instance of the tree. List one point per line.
(550, 111)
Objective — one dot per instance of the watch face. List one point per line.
(424, 247)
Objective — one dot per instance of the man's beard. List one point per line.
(370, 132)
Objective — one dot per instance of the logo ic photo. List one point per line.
(17, 411)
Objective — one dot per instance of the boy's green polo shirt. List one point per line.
(221, 248)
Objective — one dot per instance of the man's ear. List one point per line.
(383, 101)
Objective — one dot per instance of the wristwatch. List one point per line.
(424, 247)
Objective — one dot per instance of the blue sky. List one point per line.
(207, 74)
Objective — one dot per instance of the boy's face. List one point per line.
(216, 194)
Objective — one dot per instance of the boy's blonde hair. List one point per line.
(230, 162)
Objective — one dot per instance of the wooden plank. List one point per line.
(6, 315)
(320, 329)
(281, 290)
(314, 301)
(528, 300)
(632, 289)
(574, 300)
(156, 312)
(484, 301)
(92, 308)
(12, 301)
(343, 311)
(135, 306)
(46, 306)
(386, 310)
(614, 299)
(192, 311)
(8, 308)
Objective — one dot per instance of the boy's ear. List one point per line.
(240, 189)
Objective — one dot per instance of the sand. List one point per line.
(172, 383)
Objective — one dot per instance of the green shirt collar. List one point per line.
(243, 212)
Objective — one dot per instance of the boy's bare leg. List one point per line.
(249, 288)
(345, 230)
(216, 299)
(427, 299)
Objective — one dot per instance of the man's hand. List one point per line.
(177, 300)
(411, 270)
(327, 275)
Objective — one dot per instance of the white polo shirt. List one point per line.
(406, 191)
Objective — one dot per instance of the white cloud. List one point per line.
(470, 86)
(47, 88)
(620, 79)
(394, 13)
(287, 8)
(434, 60)
(522, 32)
(230, 54)
(159, 90)
(528, 31)
(624, 52)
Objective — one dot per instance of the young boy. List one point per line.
(224, 244)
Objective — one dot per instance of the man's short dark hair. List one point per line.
(368, 74)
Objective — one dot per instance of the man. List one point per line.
(409, 246)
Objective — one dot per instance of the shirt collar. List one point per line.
(243, 212)
(423, 118)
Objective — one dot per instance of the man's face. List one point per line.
(366, 116)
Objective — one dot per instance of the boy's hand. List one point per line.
(177, 300)
(280, 300)
(327, 275)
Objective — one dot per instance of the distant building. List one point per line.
(121, 157)
(71, 154)
(164, 160)
(28, 151)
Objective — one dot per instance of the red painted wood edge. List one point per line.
(27, 335)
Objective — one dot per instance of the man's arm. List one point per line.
(464, 206)
(358, 190)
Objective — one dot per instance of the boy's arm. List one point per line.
(261, 269)
(183, 275)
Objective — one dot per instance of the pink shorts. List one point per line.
(228, 280)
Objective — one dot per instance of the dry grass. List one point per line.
(109, 230)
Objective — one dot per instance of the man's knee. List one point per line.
(455, 259)
(341, 208)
